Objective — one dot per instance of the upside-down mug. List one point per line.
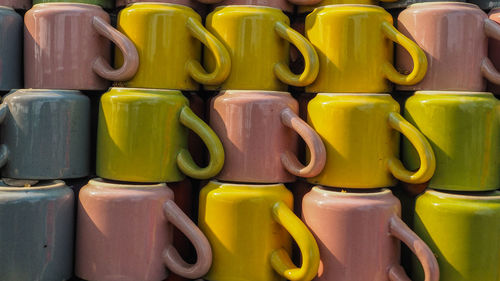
(361, 133)
(67, 46)
(16, 4)
(358, 236)
(494, 49)
(258, 40)
(463, 129)
(355, 49)
(285, 5)
(305, 9)
(196, 5)
(11, 55)
(124, 232)
(142, 137)
(258, 130)
(107, 4)
(250, 229)
(168, 38)
(45, 134)
(463, 232)
(454, 37)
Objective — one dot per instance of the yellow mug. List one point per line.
(308, 8)
(355, 48)
(258, 40)
(361, 136)
(168, 38)
(249, 228)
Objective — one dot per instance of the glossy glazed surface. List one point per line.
(67, 46)
(259, 131)
(464, 132)
(494, 48)
(258, 40)
(16, 4)
(46, 134)
(249, 228)
(454, 37)
(462, 231)
(355, 49)
(358, 236)
(37, 242)
(11, 56)
(142, 137)
(285, 5)
(309, 8)
(402, 4)
(194, 4)
(124, 232)
(361, 135)
(168, 38)
(107, 4)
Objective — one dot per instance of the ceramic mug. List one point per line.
(36, 240)
(358, 236)
(45, 134)
(305, 9)
(258, 40)
(494, 50)
(259, 131)
(361, 134)
(196, 5)
(396, 6)
(454, 37)
(106, 4)
(142, 137)
(16, 4)
(124, 232)
(249, 228)
(169, 38)
(464, 131)
(66, 46)
(463, 232)
(354, 45)
(285, 5)
(11, 57)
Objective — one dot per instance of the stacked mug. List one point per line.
(353, 215)
(246, 211)
(459, 216)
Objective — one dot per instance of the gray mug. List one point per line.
(36, 232)
(11, 49)
(45, 134)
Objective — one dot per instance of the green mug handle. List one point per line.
(4, 152)
(311, 61)
(185, 161)
(220, 54)
(280, 259)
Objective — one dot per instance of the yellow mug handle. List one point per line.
(417, 55)
(280, 259)
(220, 54)
(311, 65)
(424, 150)
(185, 161)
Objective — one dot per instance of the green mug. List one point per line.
(106, 4)
(463, 129)
(463, 231)
(142, 137)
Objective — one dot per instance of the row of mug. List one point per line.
(124, 232)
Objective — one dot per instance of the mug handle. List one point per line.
(171, 256)
(311, 61)
(280, 259)
(417, 55)
(423, 147)
(4, 152)
(184, 159)
(130, 55)
(313, 142)
(489, 71)
(220, 54)
(424, 254)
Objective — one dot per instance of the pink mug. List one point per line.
(66, 46)
(196, 5)
(454, 37)
(16, 4)
(124, 232)
(285, 5)
(494, 50)
(358, 236)
(258, 130)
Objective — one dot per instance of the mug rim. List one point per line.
(355, 94)
(438, 193)
(375, 7)
(6, 7)
(254, 92)
(53, 184)
(68, 4)
(324, 190)
(247, 6)
(443, 3)
(256, 185)
(144, 90)
(160, 4)
(452, 93)
(100, 182)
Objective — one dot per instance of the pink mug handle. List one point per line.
(313, 142)
(400, 230)
(171, 256)
(130, 55)
(492, 30)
